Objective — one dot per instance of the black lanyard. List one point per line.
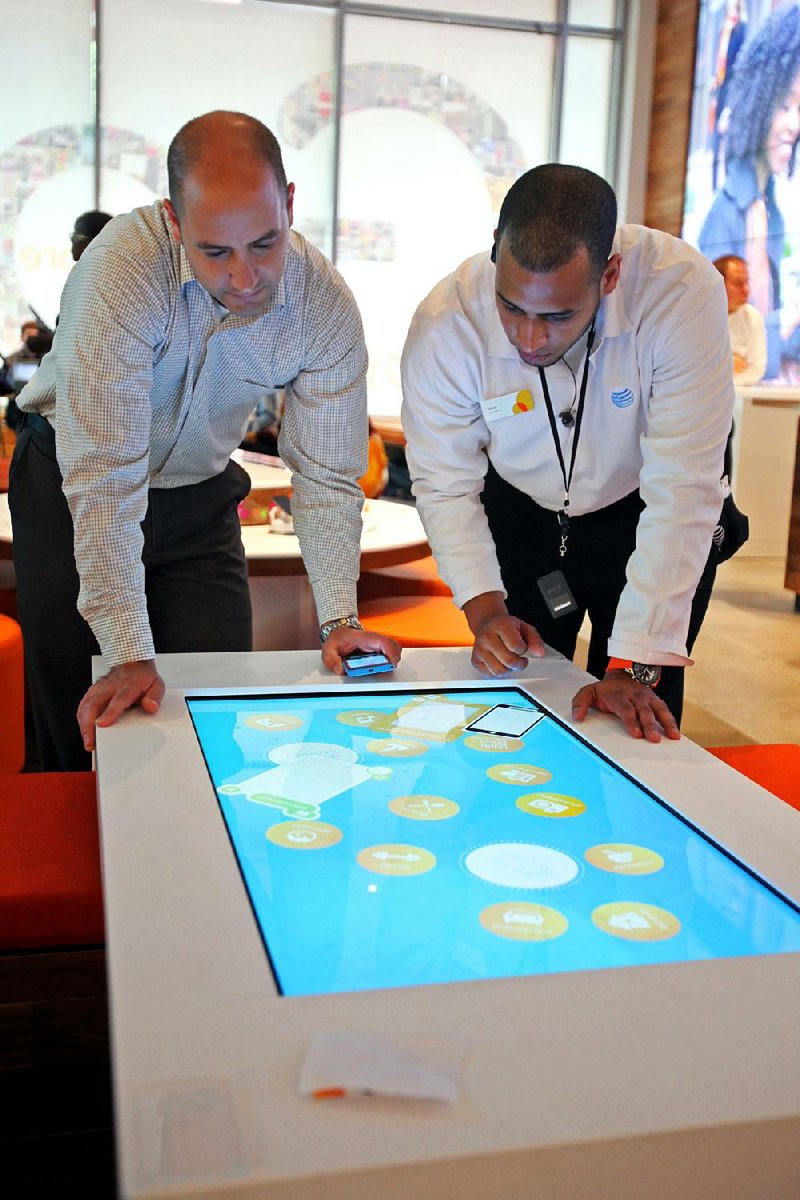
(563, 514)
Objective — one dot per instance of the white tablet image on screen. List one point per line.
(505, 720)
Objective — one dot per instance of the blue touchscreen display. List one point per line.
(392, 838)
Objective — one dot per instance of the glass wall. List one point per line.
(46, 154)
(403, 125)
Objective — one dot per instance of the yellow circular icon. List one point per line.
(363, 718)
(550, 804)
(273, 722)
(493, 743)
(396, 860)
(524, 401)
(397, 747)
(304, 835)
(636, 922)
(424, 808)
(523, 922)
(623, 859)
(520, 774)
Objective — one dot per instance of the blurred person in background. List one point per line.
(745, 323)
(17, 369)
(87, 226)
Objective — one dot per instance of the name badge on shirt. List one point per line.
(510, 405)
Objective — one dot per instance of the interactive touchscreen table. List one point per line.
(601, 934)
(442, 835)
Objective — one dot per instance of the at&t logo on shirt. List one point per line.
(622, 397)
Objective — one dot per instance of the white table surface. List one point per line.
(264, 472)
(673, 1082)
(391, 533)
(284, 613)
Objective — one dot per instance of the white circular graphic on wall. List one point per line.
(42, 255)
(521, 865)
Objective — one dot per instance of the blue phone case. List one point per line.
(351, 668)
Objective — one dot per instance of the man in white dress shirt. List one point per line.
(566, 405)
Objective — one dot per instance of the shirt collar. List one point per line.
(612, 319)
(185, 271)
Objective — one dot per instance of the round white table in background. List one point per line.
(284, 615)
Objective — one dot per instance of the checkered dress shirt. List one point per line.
(150, 384)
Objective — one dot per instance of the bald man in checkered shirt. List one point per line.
(123, 497)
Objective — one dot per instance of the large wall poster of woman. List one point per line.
(755, 213)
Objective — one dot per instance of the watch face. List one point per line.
(645, 674)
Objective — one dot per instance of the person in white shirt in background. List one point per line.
(745, 323)
(566, 410)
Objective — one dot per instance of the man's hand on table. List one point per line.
(123, 687)
(641, 711)
(502, 642)
(345, 640)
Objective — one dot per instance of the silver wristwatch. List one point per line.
(327, 628)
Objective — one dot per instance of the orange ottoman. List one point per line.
(50, 884)
(776, 768)
(12, 696)
(419, 578)
(417, 620)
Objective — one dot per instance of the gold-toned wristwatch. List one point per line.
(644, 673)
(327, 627)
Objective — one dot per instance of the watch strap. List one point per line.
(327, 627)
(645, 673)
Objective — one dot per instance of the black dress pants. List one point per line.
(195, 580)
(527, 538)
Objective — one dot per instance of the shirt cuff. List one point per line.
(635, 647)
(124, 641)
(467, 585)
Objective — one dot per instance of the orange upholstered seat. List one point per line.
(776, 768)
(418, 578)
(12, 696)
(417, 620)
(50, 887)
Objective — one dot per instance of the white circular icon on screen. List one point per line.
(521, 865)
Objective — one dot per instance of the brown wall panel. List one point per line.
(673, 74)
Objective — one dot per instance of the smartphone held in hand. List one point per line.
(366, 662)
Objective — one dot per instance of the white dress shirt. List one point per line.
(150, 383)
(657, 416)
(749, 340)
